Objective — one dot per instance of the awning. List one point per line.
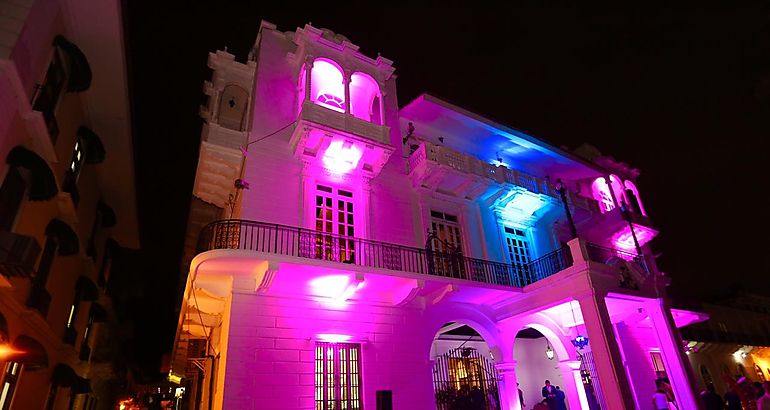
(33, 355)
(98, 313)
(42, 182)
(108, 215)
(3, 329)
(79, 69)
(95, 152)
(87, 289)
(67, 239)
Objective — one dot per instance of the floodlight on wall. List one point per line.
(548, 350)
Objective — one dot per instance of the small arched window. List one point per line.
(632, 194)
(232, 107)
(327, 87)
(365, 98)
(601, 192)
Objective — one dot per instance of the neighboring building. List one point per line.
(67, 202)
(358, 264)
(733, 343)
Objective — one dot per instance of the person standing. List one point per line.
(560, 399)
(549, 394)
(711, 399)
(732, 400)
(521, 396)
(763, 402)
(660, 398)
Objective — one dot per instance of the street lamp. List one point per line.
(7, 351)
(563, 196)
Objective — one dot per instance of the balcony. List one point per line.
(310, 244)
(340, 143)
(464, 176)
(615, 227)
(18, 254)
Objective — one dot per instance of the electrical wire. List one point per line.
(271, 134)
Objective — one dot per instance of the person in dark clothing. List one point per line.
(559, 401)
(732, 400)
(711, 399)
(759, 391)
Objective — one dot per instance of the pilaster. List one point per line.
(677, 365)
(507, 386)
(606, 352)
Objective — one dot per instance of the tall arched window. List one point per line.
(602, 194)
(327, 86)
(617, 189)
(365, 97)
(632, 194)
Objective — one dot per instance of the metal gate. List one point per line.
(463, 379)
(591, 384)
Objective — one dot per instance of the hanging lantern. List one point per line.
(548, 350)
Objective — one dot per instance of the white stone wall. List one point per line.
(271, 352)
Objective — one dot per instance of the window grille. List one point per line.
(337, 376)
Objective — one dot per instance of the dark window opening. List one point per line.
(11, 196)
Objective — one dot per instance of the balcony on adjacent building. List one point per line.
(274, 239)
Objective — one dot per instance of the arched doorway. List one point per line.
(537, 361)
(464, 377)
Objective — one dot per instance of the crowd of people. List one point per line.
(741, 395)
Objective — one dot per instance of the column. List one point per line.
(346, 83)
(677, 364)
(573, 384)
(507, 386)
(606, 353)
(308, 76)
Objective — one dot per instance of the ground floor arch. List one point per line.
(463, 369)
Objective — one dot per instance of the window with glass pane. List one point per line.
(517, 244)
(446, 246)
(10, 379)
(334, 215)
(337, 376)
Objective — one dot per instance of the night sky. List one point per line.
(682, 93)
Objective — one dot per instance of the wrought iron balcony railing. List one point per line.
(310, 244)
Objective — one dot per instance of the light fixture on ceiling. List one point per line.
(548, 350)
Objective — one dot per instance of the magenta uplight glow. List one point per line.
(326, 85)
(624, 239)
(341, 157)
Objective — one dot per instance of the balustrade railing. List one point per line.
(310, 244)
(500, 174)
(612, 257)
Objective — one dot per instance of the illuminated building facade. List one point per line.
(345, 253)
(733, 343)
(67, 205)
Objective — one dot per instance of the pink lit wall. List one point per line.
(271, 352)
